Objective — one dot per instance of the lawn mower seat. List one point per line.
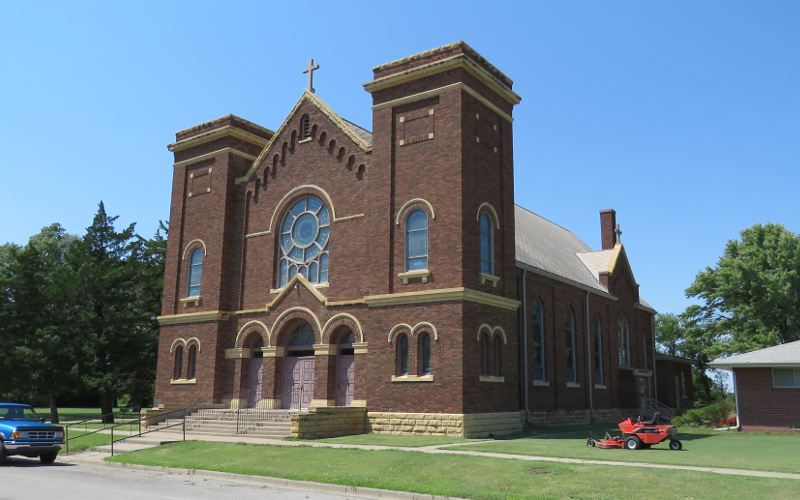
(653, 420)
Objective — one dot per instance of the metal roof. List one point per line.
(787, 354)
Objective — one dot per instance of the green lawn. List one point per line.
(470, 477)
(77, 414)
(390, 440)
(760, 451)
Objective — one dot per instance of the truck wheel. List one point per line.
(633, 443)
(48, 458)
(2, 455)
(675, 444)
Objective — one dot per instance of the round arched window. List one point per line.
(304, 241)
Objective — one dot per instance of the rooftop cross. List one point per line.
(618, 232)
(310, 70)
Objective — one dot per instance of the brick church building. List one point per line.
(324, 268)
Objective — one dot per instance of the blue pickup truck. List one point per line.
(23, 433)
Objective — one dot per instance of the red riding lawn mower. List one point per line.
(639, 434)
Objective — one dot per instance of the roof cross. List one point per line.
(310, 70)
(618, 232)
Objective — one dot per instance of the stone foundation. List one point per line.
(446, 424)
(329, 421)
(569, 417)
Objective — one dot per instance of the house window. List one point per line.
(305, 128)
(538, 340)
(416, 241)
(424, 354)
(597, 355)
(304, 241)
(487, 244)
(195, 272)
(177, 370)
(569, 333)
(624, 342)
(786, 377)
(402, 355)
(190, 367)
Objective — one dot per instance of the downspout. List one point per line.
(589, 384)
(525, 341)
(736, 400)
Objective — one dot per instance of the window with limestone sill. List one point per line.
(541, 383)
(600, 386)
(421, 274)
(492, 378)
(192, 301)
(573, 385)
(491, 278)
(182, 381)
(315, 285)
(412, 378)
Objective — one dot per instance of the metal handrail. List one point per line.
(141, 433)
(86, 432)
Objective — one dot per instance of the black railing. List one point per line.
(134, 414)
(183, 412)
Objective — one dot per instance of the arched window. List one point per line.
(177, 370)
(538, 340)
(192, 362)
(569, 334)
(305, 127)
(424, 354)
(304, 241)
(416, 240)
(195, 272)
(498, 356)
(485, 355)
(487, 244)
(624, 342)
(597, 354)
(402, 354)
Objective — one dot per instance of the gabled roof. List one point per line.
(787, 355)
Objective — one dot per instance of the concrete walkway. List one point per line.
(445, 449)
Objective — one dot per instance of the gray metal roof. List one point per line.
(360, 131)
(787, 354)
(545, 245)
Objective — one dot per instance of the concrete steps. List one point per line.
(258, 423)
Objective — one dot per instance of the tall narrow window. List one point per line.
(644, 350)
(569, 332)
(305, 241)
(416, 241)
(177, 370)
(192, 361)
(597, 354)
(424, 354)
(624, 342)
(402, 354)
(195, 272)
(498, 356)
(487, 244)
(538, 340)
(485, 355)
(305, 127)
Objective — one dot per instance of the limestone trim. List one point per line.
(325, 110)
(324, 350)
(272, 352)
(338, 320)
(412, 330)
(217, 133)
(297, 279)
(238, 353)
(411, 204)
(541, 383)
(198, 317)
(421, 274)
(185, 343)
(491, 278)
(192, 244)
(573, 385)
(249, 327)
(492, 379)
(198, 159)
(442, 295)
(294, 313)
(182, 381)
(600, 386)
(450, 63)
(412, 378)
(492, 331)
(488, 208)
(360, 348)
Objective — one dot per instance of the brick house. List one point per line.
(674, 384)
(325, 266)
(766, 383)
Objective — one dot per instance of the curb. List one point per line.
(270, 482)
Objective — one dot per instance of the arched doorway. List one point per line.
(299, 369)
(345, 369)
(255, 373)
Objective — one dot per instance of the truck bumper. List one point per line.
(30, 449)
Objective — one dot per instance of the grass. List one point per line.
(461, 476)
(704, 447)
(390, 440)
(76, 414)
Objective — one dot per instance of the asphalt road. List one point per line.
(23, 479)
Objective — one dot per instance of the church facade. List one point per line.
(323, 266)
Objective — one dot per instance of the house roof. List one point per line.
(787, 354)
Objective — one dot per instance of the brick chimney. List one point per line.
(608, 228)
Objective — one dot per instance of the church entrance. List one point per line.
(345, 370)
(299, 369)
(255, 375)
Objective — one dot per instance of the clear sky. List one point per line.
(684, 116)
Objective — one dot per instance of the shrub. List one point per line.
(714, 414)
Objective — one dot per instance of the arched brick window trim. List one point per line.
(414, 204)
(491, 341)
(338, 321)
(280, 329)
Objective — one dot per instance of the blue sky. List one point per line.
(684, 116)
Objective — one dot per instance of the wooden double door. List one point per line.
(298, 382)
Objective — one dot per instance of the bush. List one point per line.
(712, 415)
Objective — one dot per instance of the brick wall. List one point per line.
(762, 406)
